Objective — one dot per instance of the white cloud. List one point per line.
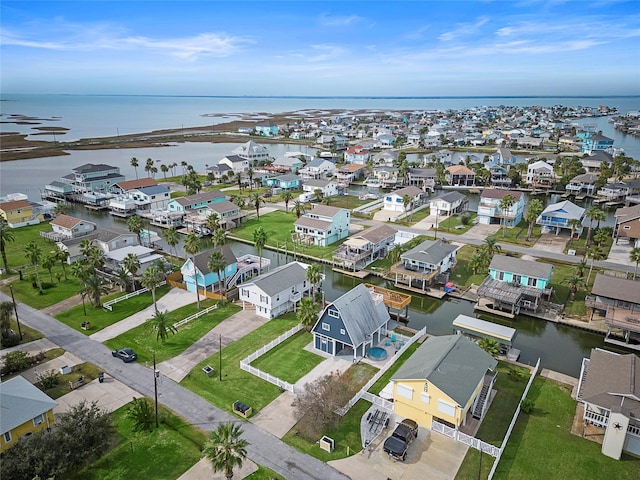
(463, 30)
(339, 21)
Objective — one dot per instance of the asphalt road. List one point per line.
(264, 448)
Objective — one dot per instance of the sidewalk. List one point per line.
(110, 395)
(203, 469)
(173, 300)
(31, 348)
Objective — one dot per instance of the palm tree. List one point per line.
(480, 260)
(574, 283)
(307, 312)
(164, 169)
(148, 166)
(134, 224)
(225, 449)
(163, 326)
(491, 346)
(260, 239)
(191, 248)
(634, 256)
(33, 252)
(580, 267)
(218, 264)
(172, 239)
(593, 213)
(80, 270)
(574, 224)
(314, 276)
(319, 194)
(600, 237)
(219, 237)
(298, 208)
(406, 201)
(239, 180)
(491, 246)
(535, 209)
(131, 265)
(505, 204)
(134, 163)
(48, 262)
(6, 236)
(595, 254)
(256, 200)
(250, 175)
(151, 278)
(86, 246)
(59, 209)
(62, 255)
(212, 222)
(286, 197)
(122, 278)
(94, 288)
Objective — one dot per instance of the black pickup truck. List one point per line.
(397, 444)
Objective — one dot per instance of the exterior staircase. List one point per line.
(482, 401)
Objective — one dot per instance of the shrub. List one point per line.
(10, 339)
(465, 218)
(141, 413)
(527, 405)
(516, 373)
(48, 379)
(17, 361)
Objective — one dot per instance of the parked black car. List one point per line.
(397, 444)
(125, 354)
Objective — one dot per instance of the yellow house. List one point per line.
(18, 213)
(444, 380)
(25, 411)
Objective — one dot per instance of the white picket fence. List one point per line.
(108, 305)
(458, 436)
(408, 341)
(195, 315)
(245, 364)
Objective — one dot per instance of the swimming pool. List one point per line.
(377, 353)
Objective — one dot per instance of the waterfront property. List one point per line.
(329, 188)
(499, 177)
(318, 168)
(460, 176)
(106, 240)
(619, 300)
(515, 284)
(424, 178)
(361, 249)
(66, 226)
(490, 212)
(558, 216)
(382, 177)
(115, 259)
(423, 265)
(540, 175)
(197, 203)
(593, 163)
(449, 204)
(236, 163)
(477, 329)
(353, 323)
(447, 379)
(348, 173)
(608, 389)
(140, 200)
(198, 270)
(25, 411)
(394, 201)
(357, 154)
(254, 152)
(593, 142)
(120, 188)
(89, 178)
(228, 213)
(276, 292)
(628, 224)
(322, 226)
(266, 129)
(18, 213)
(582, 184)
(503, 156)
(288, 181)
(289, 163)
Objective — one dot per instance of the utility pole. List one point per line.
(220, 360)
(156, 373)
(15, 309)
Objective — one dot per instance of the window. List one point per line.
(425, 398)
(532, 282)
(405, 392)
(343, 331)
(326, 326)
(7, 437)
(446, 408)
(626, 227)
(517, 278)
(38, 420)
(333, 313)
(500, 275)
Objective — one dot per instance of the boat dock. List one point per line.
(357, 274)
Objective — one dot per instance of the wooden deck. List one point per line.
(357, 274)
(391, 298)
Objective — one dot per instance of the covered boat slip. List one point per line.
(477, 328)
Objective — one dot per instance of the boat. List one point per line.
(372, 183)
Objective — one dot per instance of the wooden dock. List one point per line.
(357, 274)
(484, 308)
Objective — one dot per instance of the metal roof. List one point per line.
(21, 402)
(490, 329)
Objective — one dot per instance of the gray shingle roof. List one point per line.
(202, 259)
(429, 251)
(451, 197)
(616, 288)
(377, 234)
(453, 363)
(20, 402)
(325, 211)
(280, 279)
(519, 266)
(199, 198)
(500, 194)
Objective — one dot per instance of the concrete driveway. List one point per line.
(620, 251)
(203, 469)
(480, 231)
(110, 395)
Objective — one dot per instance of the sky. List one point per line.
(330, 48)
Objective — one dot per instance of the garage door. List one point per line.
(632, 444)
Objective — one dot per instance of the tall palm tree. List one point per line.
(226, 449)
(600, 237)
(148, 166)
(307, 313)
(634, 256)
(581, 267)
(48, 262)
(62, 255)
(131, 265)
(286, 197)
(163, 325)
(192, 247)
(314, 277)
(574, 282)
(218, 264)
(256, 200)
(534, 211)
(164, 169)
(212, 222)
(33, 252)
(94, 288)
(151, 278)
(593, 213)
(505, 204)
(134, 224)
(122, 278)
(407, 200)
(239, 180)
(134, 163)
(298, 208)
(250, 175)
(219, 237)
(172, 238)
(6, 236)
(260, 240)
(595, 254)
(574, 224)
(491, 246)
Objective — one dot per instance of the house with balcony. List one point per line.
(582, 184)
(350, 173)
(365, 247)
(424, 178)
(499, 177)
(276, 292)
(93, 178)
(236, 163)
(288, 181)
(66, 226)
(357, 154)
(352, 324)
(618, 192)
(338, 142)
(267, 129)
(515, 285)
(628, 224)
(593, 163)
(197, 269)
(424, 265)
(318, 168)
(540, 175)
(382, 176)
(197, 203)
(460, 176)
(490, 213)
(394, 201)
(329, 188)
(253, 152)
(322, 226)
(559, 216)
(594, 142)
(503, 156)
(387, 157)
(448, 379)
(115, 259)
(608, 390)
(618, 300)
(25, 410)
(121, 188)
(228, 213)
(19, 213)
(217, 171)
(288, 162)
(106, 240)
(140, 200)
(449, 204)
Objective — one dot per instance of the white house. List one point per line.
(394, 201)
(329, 187)
(318, 168)
(357, 154)
(489, 211)
(237, 163)
(146, 256)
(66, 226)
(276, 292)
(449, 203)
(540, 174)
(253, 152)
(323, 225)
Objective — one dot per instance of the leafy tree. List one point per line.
(172, 238)
(131, 265)
(134, 224)
(48, 379)
(491, 246)
(286, 197)
(142, 414)
(491, 346)
(33, 252)
(634, 256)
(505, 204)
(134, 163)
(16, 361)
(574, 282)
(218, 264)
(307, 313)
(6, 236)
(226, 449)
(163, 326)
(192, 247)
(534, 211)
(151, 278)
(260, 240)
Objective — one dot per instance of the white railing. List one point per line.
(468, 440)
(245, 364)
(634, 430)
(195, 315)
(597, 419)
(377, 401)
(108, 305)
(408, 341)
(513, 421)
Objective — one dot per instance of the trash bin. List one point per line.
(100, 377)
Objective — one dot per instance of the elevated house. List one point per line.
(490, 212)
(66, 226)
(394, 201)
(448, 204)
(25, 410)
(228, 213)
(498, 175)
(198, 270)
(322, 226)
(609, 390)
(582, 184)
(19, 213)
(460, 176)
(106, 240)
(618, 192)
(594, 142)
(219, 170)
(357, 154)
(236, 163)
(558, 217)
(382, 177)
(93, 178)
(366, 247)
(618, 299)
(350, 173)
(329, 188)
(276, 292)
(140, 200)
(318, 168)
(448, 379)
(121, 188)
(503, 156)
(387, 157)
(253, 152)
(593, 163)
(197, 203)
(424, 265)
(515, 285)
(351, 324)
(424, 178)
(146, 256)
(288, 162)
(628, 224)
(266, 129)
(540, 175)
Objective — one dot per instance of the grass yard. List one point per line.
(88, 370)
(24, 235)
(237, 384)
(580, 248)
(562, 271)
(462, 275)
(412, 218)
(165, 453)
(143, 340)
(454, 225)
(25, 293)
(264, 473)
(384, 264)
(346, 201)
(518, 234)
(278, 361)
(101, 318)
(28, 334)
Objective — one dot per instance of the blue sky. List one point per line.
(422, 48)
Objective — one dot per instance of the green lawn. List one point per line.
(28, 334)
(165, 453)
(346, 201)
(518, 234)
(88, 370)
(279, 360)
(384, 264)
(562, 271)
(413, 218)
(580, 248)
(25, 293)
(453, 224)
(101, 318)
(462, 275)
(237, 384)
(24, 235)
(142, 339)
(263, 473)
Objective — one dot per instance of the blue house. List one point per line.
(195, 203)
(267, 129)
(322, 226)
(520, 272)
(207, 279)
(594, 142)
(558, 215)
(354, 322)
(285, 182)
